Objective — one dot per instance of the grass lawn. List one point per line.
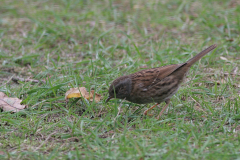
(89, 43)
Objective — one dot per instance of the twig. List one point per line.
(200, 107)
(231, 74)
(16, 79)
(7, 81)
(38, 103)
(45, 140)
(119, 110)
(114, 120)
(99, 113)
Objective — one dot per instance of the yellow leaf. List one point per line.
(73, 95)
(82, 92)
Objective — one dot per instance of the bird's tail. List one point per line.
(190, 62)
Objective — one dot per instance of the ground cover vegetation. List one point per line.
(89, 43)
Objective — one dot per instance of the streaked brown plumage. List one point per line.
(154, 84)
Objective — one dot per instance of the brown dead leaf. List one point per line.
(2, 153)
(97, 96)
(82, 92)
(10, 104)
(230, 39)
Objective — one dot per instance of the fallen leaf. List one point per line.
(10, 104)
(223, 58)
(97, 96)
(234, 71)
(144, 66)
(2, 153)
(230, 39)
(82, 92)
(77, 92)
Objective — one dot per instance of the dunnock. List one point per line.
(153, 85)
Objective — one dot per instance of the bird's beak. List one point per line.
(109, 97)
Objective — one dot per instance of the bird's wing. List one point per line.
(149, 77)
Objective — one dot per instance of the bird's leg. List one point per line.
(149, 109)
(167, 103)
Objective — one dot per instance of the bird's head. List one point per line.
(120, 88)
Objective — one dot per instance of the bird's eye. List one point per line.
(116, 90)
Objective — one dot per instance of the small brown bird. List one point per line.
(154, 84)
